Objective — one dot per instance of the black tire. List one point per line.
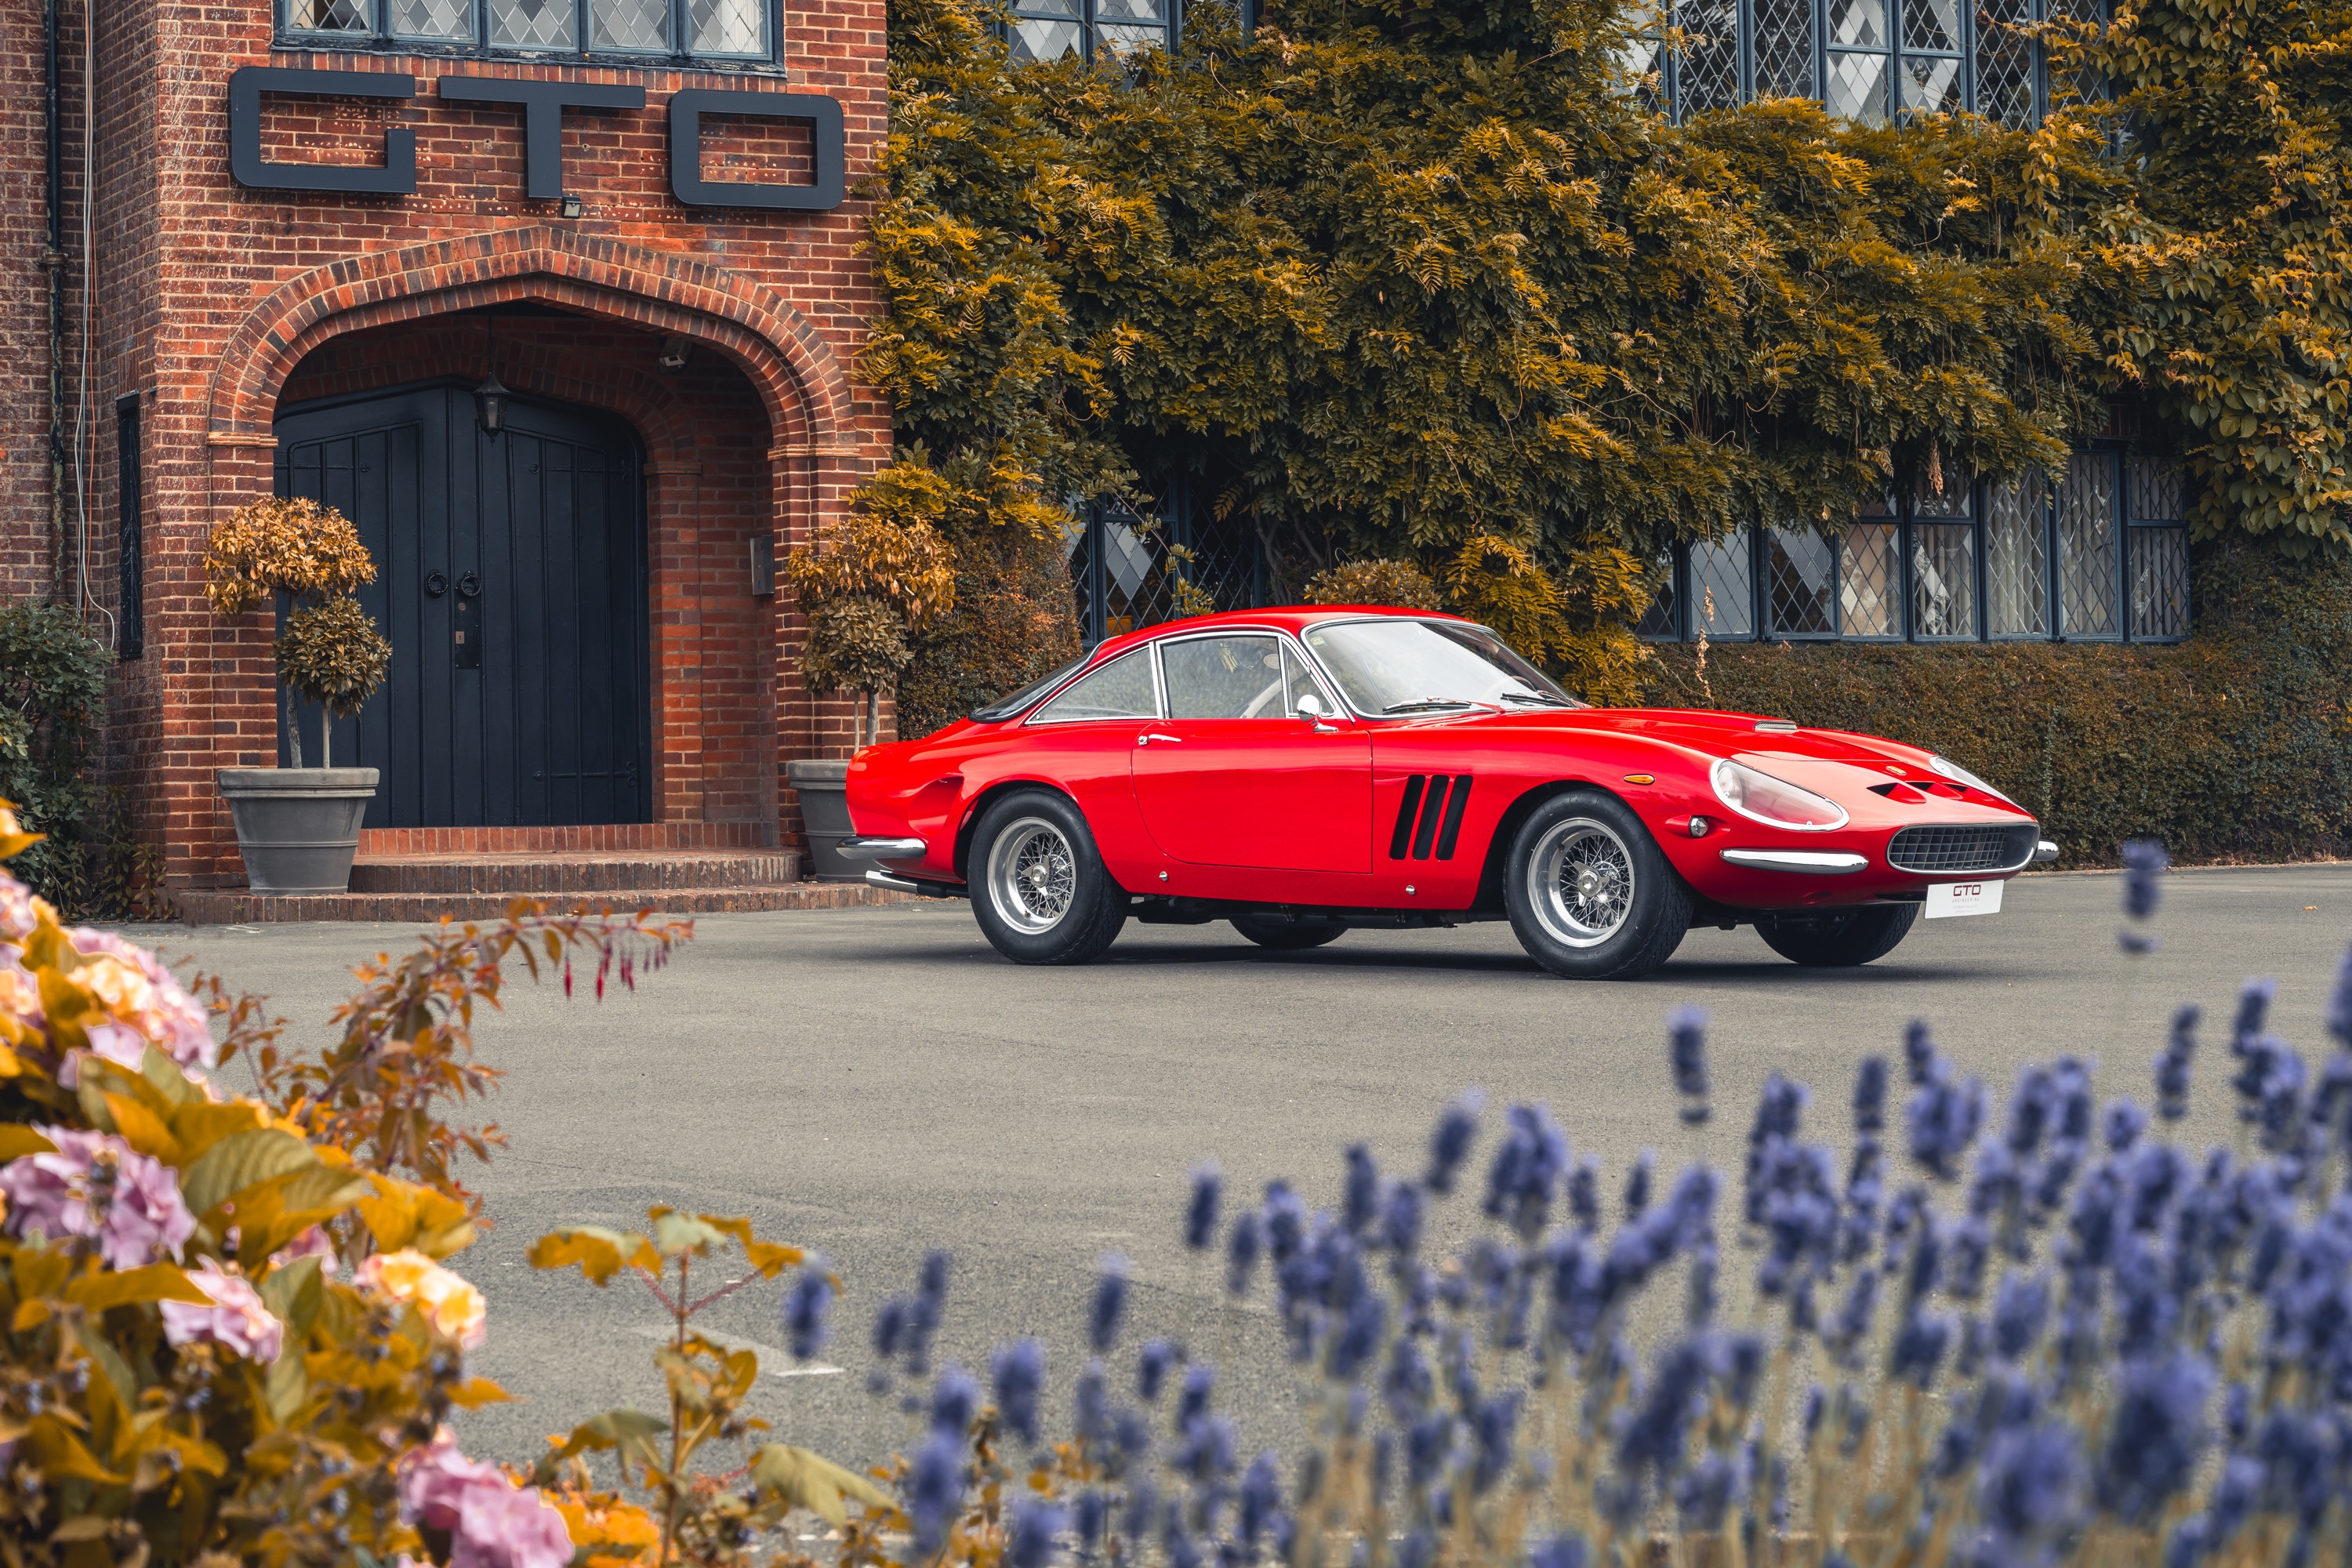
(1287, 933)
(1038, 887)
(1839, 939)
(1594, 927)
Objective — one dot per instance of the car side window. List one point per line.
(1225, 678)
(1302, 683)
(1119, 689)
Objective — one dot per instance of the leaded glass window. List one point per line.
(1661, 621)
(1048, 29)
(1865, 60)
(1723, 587)
(702, 30)
(2017, 559)
(2088, 547)
(2103, 554)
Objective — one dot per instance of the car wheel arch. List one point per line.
(1506, 829)
(977, 808)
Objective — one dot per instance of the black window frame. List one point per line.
(2134, 535)
(378, 37)
(129, 529)
(1089, 22)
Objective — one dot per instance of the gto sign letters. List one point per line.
(542, 105)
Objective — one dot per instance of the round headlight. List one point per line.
(1958, 774)
(1760, 797)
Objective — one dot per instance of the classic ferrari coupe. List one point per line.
(1299, 771)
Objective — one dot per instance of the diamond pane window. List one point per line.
(1931, 85)
(2005, 62)
(1943, 580)
(1039, 40)
(1857, 88)
(1658, 622)
(1707, 74)
(1857, 24)
(1126, 41)
(1869, 581)
(330, 15)
(1933, 26)
(2160, 582)
(1723, 588)
(1784, 49)
(2158, 490)
(729, 26)
(2017, 559)
(532, 23)
(629, 25)
(2087, 547)
(446, 20)
(1800, 583)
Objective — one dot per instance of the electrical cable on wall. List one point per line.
(83, 435)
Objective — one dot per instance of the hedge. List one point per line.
(2234, 746)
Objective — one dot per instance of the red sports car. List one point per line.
(1301, 771)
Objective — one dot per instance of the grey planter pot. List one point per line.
(298, 828)
(823, 789)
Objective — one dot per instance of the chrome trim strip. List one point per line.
(880, 848)
(1806, 862)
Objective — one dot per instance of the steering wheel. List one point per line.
(1257, 704)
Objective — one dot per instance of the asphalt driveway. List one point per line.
(874, 1082)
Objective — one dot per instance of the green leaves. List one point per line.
(799, 1479)
(241, 1160)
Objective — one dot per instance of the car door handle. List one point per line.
(1145, 740)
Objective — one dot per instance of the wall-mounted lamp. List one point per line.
(674, 354)
(572, 207)
(491, 398)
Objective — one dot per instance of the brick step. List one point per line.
(234, 906)
(540, 874)
(622, 838)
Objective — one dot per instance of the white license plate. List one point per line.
(1945, 899)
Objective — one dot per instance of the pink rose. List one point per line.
(491, 1522)
(236, 1318)
(97, 1185)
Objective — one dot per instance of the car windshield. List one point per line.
(1014, 702)
(1401, 667)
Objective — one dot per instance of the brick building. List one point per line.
(306, 249)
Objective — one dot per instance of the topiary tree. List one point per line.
(883, 574)
(331, 652)
(1398, 584)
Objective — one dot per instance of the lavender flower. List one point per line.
(1019, 1371)
(2253, 1013)
(2021, 1309)
(1686, 1052)
(1361, 1195)
(1260, 1500)
(1109, 1303)
(955, 1401)
(1584, 1195)
(1561, 1551)
(1242, 1249)
(2030, 1491)
(1494, 1430)
(1870, 1097)
(1035, 1524)
(1151, 1368)
(2144, 863)
(928, 1306)
(1945, 1118)
(1449, 1145)
(2122, 1125)
(1400, 1219)
(2157, 1438)
(1637, 1185)
(1527, 1170)
(1201, 1214)
(1090, 1515)
(934, 1489)
(1918, 1051)
(2172, 1063)
(808, 1309)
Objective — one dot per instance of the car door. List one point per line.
(1234, 776)
(1081, 741)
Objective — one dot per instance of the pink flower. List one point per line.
(145, 1004)
(237, 1318)
(97, 1185)
(16, 917)
(451, 1305)
(491, 1522)
(312, 1243)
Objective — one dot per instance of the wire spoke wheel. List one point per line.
(1032, 875)
(1580, 882)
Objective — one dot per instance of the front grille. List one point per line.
(1972, 848)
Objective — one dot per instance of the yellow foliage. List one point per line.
(900, 560)
(283, 545)
(1394, 584)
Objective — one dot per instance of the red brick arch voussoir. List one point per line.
(799, 378)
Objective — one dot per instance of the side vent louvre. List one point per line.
(1430, 815)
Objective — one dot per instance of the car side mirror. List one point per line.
(1309, 706)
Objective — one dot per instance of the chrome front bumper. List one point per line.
(1806, 862)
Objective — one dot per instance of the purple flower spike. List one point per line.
(2253, 1013)
(1201, 1214)
(935, 1482)
(808, 1306)
(1241, 1250)
(1449, 1145)
(1686, 1051)
(1361, 1198)
(1151, 1368)
(1035, 1524)
(1918, 1051)
(2339, 1003)
(1020, 1374)
(2144, 863)
(1870, 1097)
(1109, 1304)
(2172, 1063)
(1527, 1172)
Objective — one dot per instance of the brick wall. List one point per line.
(215, 303)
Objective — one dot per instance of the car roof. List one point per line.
(1293, 619)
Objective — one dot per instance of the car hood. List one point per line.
(1718, 734)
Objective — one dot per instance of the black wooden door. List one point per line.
(510, 579)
